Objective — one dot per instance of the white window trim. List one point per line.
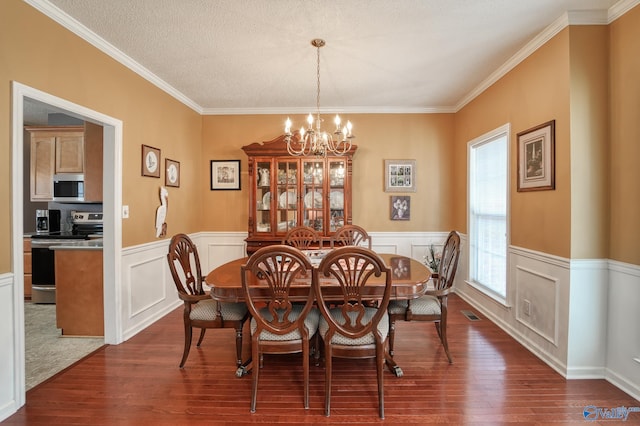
(504, 130)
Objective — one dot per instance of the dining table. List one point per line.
(409, 277)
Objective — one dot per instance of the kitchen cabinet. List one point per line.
(79, 292)
(287, 191)
(26, 253)
(66, 149)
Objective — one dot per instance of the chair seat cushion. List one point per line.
(310, 322)
(424, 305)
(339, 339)
(206, 310)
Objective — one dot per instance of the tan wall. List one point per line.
(589, 49)
(39, 53)
(425, 138)
(624, 195)
(534, 92)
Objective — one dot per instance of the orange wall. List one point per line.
(534, 92)
(37, 52)
(589, 76)
(423, 137)
(624, 195)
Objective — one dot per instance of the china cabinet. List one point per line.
(287, 191)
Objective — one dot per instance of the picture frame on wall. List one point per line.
(400, 175)
(150, 161)
(536, 158)
(172, 173)
(400, 207)
(225, 175)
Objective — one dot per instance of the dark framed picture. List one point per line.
(400, 207)
(172, 173)
(400, 175)
(225, 175)
(536, 158)
(150, 161)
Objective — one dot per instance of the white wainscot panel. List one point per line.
(541, 293)
(147, 287)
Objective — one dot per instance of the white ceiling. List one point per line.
(255, 56)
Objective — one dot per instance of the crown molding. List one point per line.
(620, 8)
(92, 38)
(327, 110)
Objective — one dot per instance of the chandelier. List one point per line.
(313, 140)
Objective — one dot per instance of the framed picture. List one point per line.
(225, 174)
(536, 158)
(172, 173)
(400, 175)
(400, 207)
(150, 161)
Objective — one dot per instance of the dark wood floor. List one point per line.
(493, 380)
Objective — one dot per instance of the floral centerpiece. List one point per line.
(432, 259)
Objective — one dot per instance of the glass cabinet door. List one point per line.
(286, 202)
(336, 193)
(313, 194)
(263, 196)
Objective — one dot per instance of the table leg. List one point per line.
(393, 367)
(245, 368)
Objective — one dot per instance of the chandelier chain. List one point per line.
(318, 90)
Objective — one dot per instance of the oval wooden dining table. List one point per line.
(409, 278)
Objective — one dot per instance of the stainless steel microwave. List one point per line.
(68, 187)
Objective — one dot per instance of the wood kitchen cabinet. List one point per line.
(26, 252)
(66, 149)
(79, 292)
(287, 191)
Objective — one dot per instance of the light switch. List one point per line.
(125, 212)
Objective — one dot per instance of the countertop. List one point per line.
(95, 244)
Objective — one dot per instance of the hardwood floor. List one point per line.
(493, 380)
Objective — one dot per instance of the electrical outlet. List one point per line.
(526, 307)
(125, 212)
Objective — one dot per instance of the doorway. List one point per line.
(112, 205)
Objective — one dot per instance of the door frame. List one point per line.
(112, 206)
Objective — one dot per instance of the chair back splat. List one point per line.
(303, 238)
(353, 328)
(350, 235)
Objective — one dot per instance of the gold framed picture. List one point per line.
(150, 161)
(172, 173)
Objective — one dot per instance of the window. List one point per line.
(488, 201)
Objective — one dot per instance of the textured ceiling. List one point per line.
(254, 56)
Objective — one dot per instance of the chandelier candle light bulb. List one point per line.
(316, 141)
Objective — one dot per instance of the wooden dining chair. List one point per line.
(433, 305)
(279, 326)
(303, 238)
(350, 235)
(354, 329)
(200, 310)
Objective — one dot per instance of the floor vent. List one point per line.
(470, 316)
